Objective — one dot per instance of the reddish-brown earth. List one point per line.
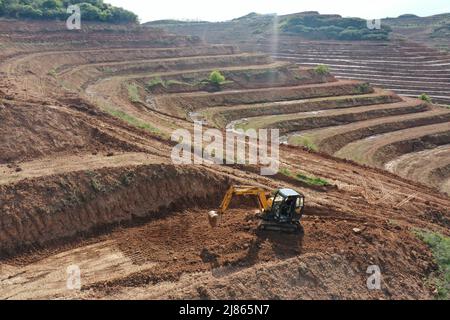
(86, 177)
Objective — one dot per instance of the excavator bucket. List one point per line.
(214, 218)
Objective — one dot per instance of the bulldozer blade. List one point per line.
(213, 218)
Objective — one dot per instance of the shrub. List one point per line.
(425, 97)
(363, 88)
(23, 11)
(155, 82)
(216, 78)
(351, 34)
(52, 4)
(52, 73)
(322, 69)
(90, 12)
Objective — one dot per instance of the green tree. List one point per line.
(216, 77)
(119, 15)
(51, 4)
(425, 97)
(89, 12)
(23, 11)
(322, 69)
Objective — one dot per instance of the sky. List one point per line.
(214, 10)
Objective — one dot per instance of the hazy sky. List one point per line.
(216, 10)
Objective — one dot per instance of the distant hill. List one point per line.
(331, 27)
(432, 30)
(308, 25)
(91, 10)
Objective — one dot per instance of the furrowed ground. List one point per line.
(87, 180)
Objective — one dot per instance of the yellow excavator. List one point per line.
(280, 212)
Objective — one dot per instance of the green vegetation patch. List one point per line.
(152, 83)
(363, 88)
(91, 10)
(322, 70)
(133, 121)
(310, 180)
(155, 82)
(51, 72)
(133, 93)
(171, 82)
(216, 78)
(440, 246)
(303, 141)
(425, 97)
(441, 31)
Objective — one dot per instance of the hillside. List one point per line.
(88, 180)
(308, 25)
(424, 70)
(92, 10)
(432, 30)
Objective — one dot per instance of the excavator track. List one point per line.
(280, 227)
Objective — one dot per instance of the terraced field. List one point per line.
(87, 178)
(405, 63)
(406, 67)
(345, 118)
(365, 120)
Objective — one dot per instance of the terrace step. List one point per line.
(330, 140)
(276, 74)
(432, 167)
(195, 101)
(385, 70)
(178, 63)
(368, 55)
(117, 55)
(412, 84)
(380, 149)
(376, 64)
(335, 117)
(222, 116)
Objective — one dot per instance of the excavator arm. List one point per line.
(261, 195)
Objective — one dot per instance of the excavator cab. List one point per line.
(286, 211)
